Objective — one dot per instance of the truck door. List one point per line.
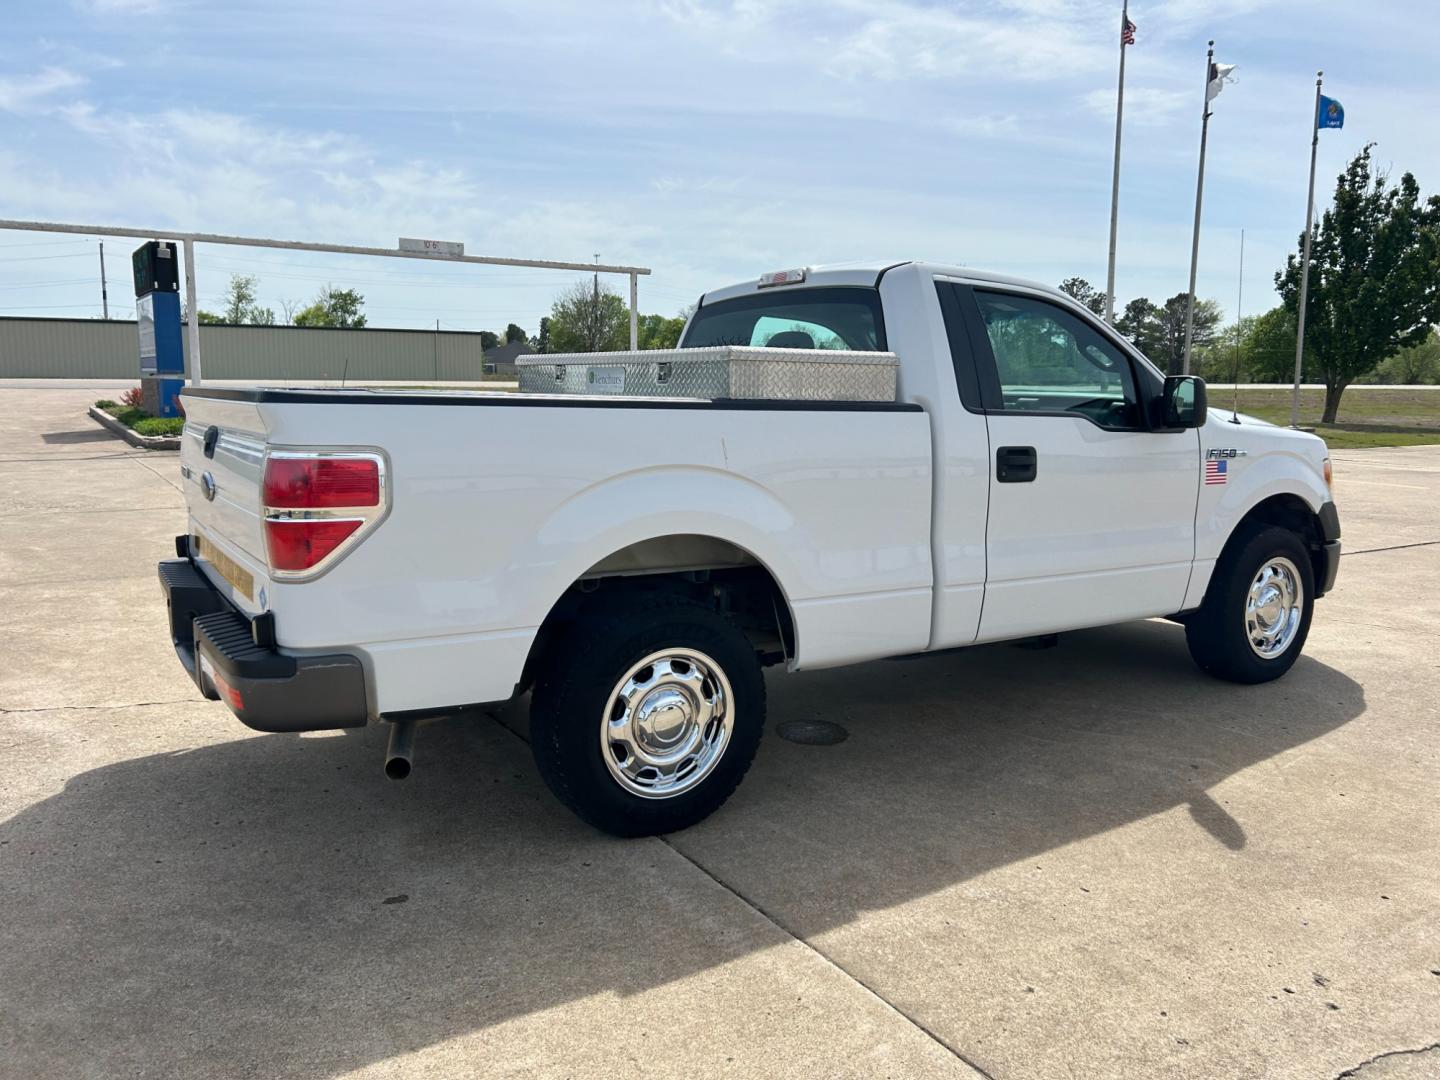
(1092, 515)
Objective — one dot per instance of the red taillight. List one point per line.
(317, 483)
(318, 503)
(301, 543)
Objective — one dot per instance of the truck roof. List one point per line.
(868, 273)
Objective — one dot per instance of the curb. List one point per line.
(144, 442)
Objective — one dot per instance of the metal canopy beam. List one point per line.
(305, 245)
(189, 239)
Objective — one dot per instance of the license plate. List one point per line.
(240, 579)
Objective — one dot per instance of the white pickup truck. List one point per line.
(634, 562)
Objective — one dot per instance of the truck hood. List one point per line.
(1225, 416)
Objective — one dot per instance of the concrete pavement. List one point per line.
(1084, 861)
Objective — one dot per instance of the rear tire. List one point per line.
(645, 718)
(1257, 610)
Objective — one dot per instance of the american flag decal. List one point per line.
(1215, 472)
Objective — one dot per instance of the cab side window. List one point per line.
(1050, 361)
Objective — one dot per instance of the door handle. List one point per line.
(1015, 464)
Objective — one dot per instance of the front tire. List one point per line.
(1257, 610)
(646, 717)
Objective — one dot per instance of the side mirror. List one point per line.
(1183, 404)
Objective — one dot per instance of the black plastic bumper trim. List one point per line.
(1331, 567)
(1329, 522)
(266, 689)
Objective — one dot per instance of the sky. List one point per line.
(710, 140)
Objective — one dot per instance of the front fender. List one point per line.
(1249, 483)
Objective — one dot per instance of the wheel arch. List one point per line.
(716, 570)
(1285, 510)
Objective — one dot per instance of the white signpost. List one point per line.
(452, 248)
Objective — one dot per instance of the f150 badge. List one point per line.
(1217, 463)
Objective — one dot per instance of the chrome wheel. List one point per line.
(667, 723)
(1274, 607)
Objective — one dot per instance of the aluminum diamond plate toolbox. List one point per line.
(722, 371)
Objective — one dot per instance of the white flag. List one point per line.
(1220, 74)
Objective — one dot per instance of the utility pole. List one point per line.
(104, 292)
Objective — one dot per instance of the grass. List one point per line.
(141, 422)
(1369, 416)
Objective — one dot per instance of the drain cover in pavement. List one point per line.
(812, 732)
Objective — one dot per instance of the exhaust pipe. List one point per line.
(397, 755)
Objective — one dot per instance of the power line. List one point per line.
(368, 276)
(50, 307)
(42, 258)
(43, 243)
(49, 284)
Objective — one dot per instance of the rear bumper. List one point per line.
(266, 689)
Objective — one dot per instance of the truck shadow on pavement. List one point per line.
(272, 905)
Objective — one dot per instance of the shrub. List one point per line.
(134, 397)
(153, 425)
(106, 405)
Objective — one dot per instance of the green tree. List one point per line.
(658, 331)
(241, 305)
(1267, 346)
(541, 341)
(333, 308)
(209, 318)
(1140, 322)
(1413, 364)
(1085, 293)
(513, 334)
(1159, 331)
(1374, 276)
(588, 317)
(489, 340)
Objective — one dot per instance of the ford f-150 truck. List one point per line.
(634, 562)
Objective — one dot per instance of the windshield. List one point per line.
(843, 319)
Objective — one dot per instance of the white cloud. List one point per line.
(21, 92)
(123, 7)
(1145, 106)
(899, 39)
(987, 127)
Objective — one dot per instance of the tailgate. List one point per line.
(222, 456)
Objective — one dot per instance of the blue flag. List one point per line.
(1332, 113)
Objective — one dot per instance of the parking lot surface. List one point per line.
(1086, 861)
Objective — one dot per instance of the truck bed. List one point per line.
(499, 502)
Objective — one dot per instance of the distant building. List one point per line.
(501, 361)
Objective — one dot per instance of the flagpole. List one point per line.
(1305, 256)
(1199, 196)
(1115, 176)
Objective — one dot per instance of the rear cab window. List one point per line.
(841, 318)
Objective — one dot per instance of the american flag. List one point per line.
(1127, 32)
(1215, 472)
